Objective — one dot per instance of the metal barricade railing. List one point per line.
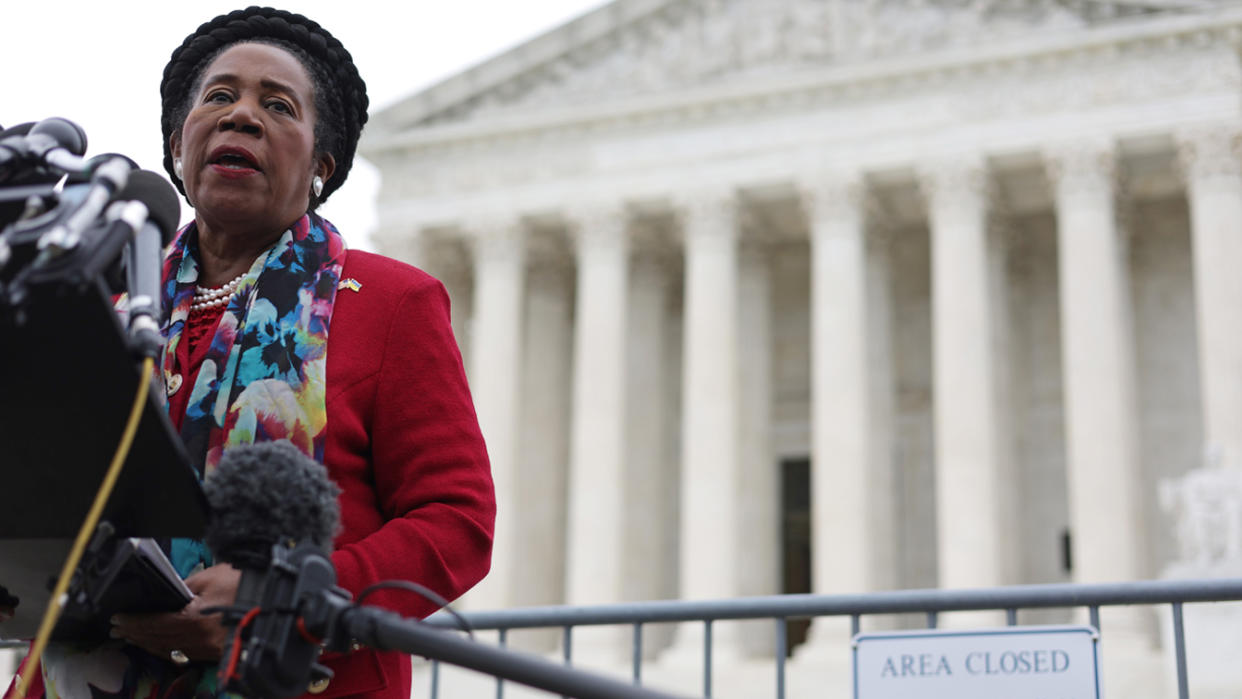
(782, 608)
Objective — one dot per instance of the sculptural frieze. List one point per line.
(694, 43)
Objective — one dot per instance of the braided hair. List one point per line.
(340, 93)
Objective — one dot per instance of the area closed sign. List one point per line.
(1020, 662)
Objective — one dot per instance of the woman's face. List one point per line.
(247, 146)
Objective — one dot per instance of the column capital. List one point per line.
(709, 212)
(1087, 165)
(952, 177)
(593, 227)
(493, 237)
(1210, 151)
(836, 195)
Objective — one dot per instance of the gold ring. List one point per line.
(179, 658)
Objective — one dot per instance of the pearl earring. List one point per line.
(317, 185)
(177, 168)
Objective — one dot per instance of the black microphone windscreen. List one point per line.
(69, 135)
(262, 494)
(163, 204)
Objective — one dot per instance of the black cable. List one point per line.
(421, 590)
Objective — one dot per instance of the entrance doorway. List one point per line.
(796, 540)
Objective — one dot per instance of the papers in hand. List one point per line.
(149, 552)
(135, 576)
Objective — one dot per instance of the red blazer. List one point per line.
(403, 443)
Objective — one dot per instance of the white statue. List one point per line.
(1206, 506)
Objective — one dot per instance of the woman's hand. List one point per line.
(199, 636)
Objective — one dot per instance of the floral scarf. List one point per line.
(263, 379)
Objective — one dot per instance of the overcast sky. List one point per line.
(99, 64)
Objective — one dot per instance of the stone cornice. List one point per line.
(878, 78)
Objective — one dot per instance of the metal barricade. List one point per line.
(782, 608)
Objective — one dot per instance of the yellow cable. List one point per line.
(56, 604)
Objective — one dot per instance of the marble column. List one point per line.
(1098, 355)
(495, 369)
(709, 490)
(758, 535)
(651, 471)
(597, 507)
(970, 483)
(850, 495)
(543, 443)
(1210, 160)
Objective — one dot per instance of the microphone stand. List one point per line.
(302, 611)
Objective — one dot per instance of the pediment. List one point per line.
(631, 48)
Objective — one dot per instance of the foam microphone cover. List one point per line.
(163, 204)
(268, 493)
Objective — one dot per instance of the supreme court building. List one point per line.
(764, 296)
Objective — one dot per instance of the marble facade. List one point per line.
(977, 262)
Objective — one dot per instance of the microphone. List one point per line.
(264, 495)
(18, 130)
(19, 187)
(271, 506)
(152, 214)
(56, 132)
(52, 141)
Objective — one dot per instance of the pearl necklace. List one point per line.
(209, 298)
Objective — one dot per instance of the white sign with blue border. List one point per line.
(1018, 662)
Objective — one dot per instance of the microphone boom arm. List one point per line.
(303, 611)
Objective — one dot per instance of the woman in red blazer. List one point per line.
(275, 331)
